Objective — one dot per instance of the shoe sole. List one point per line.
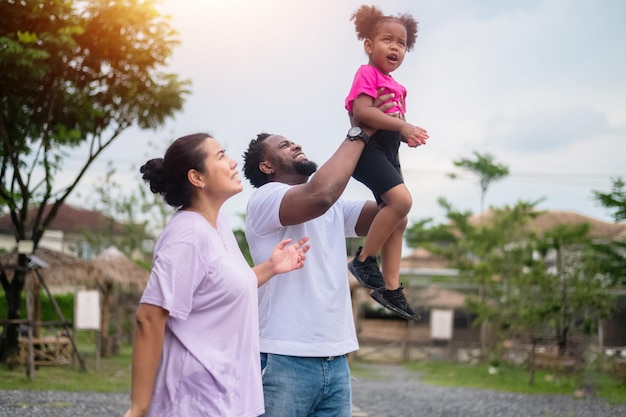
(378, 297)
(359, 280)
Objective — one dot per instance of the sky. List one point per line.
(538, 84)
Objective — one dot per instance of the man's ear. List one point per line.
(266, 168)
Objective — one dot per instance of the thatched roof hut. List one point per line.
(112, 267)
(61, 270)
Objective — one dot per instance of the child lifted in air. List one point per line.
(386, 39)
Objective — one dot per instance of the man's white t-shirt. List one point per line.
(306, 312)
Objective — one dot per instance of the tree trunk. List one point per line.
(562, 340)
(105, 350)
(13, 294)
(531, 362)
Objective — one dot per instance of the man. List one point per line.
(305, 317)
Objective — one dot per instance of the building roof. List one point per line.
(56, 267)
(436, 297)
(548, 220)
(543, 222)
(115, 268)
(112, 267)
(69, 219)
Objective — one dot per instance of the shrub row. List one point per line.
(48, 312)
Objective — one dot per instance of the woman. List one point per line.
(196, 348)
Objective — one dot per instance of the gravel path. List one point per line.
(62, 404)
(391, 391)
(395, 392)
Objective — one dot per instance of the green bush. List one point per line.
(48, 312)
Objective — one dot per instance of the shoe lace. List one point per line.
(397, 297)
(370, 267)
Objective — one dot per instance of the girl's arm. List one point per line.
(364, 113)
(283, 259)
(147, 349)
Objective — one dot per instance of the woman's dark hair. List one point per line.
(167, 176)
(368, 18)
(252, 159)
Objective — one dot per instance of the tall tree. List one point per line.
(73, 73)
(126, 216)
(614, 252)
(576, 282)
(614, 200)
(487, 169)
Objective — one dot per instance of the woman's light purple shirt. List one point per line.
(210, 363)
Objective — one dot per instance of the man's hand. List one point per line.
(383, 103)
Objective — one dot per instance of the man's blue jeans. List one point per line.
(296, 386)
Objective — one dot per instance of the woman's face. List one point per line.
(222, 179)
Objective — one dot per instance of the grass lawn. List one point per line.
(114, 376)
(516, 379)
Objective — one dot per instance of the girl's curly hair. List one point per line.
(367, 20)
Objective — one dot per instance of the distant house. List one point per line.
(66, 232)
(421, 262)
(545, 221)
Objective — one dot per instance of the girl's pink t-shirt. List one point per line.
(368, 80)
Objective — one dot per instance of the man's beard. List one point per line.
(305, 167)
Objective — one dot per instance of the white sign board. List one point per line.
(87, 310)
(441, 324)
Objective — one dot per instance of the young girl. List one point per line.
(386, 40)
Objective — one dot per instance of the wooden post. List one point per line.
(36, 308)
(65, 325)
(98, 348)
(30, 358)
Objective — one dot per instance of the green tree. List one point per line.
(613, 252)
(423, 233)
(73, 73)
(614, 200)
(132, 217)
(492, 254)
(487, 170)
(240, 235)
(574, 289)
(538, 284)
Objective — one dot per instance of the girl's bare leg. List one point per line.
(391, 254)
(389, 222)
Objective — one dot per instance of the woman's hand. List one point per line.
(287, 258)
